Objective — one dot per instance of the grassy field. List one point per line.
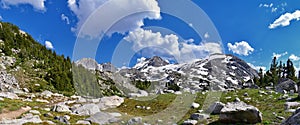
(268, 104)
(171, 107)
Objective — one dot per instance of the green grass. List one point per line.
(157, 104)
(266, 103)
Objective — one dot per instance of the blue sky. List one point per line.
(253, 30)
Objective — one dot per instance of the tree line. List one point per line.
(277, 72)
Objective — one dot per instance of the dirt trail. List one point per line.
(14, 114)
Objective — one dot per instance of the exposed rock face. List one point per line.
(61, 108)
(7, 81)
(215, 108)
(287, 85)
(9, 95)
(26, 119)
(294, 119)
(88, 63)
(199, 116)
(110, 102)
(135, 121)
(240, 112)
(87, 109)
(102, 118)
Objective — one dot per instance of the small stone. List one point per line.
(35, 112)
(228, 97)
(67, 117)
(246, 94)
(47, 109)
(82, 122)
(178, 93)
(148, 108)
(198, 116)
(138, 107)
(48, 115)
(247, 99)
(50, 122)
(195, 105)
(190, 122)
(237, 99)
(280, 118)
(26, 90)
(41, 100)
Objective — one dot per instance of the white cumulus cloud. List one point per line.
(37, 4)
(278, 55)
(49, 45)
(184, 51)
(294, 57)
(112, 11)
(65, 18)
(240, 48)
(285, 19)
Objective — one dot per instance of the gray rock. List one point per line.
(48, 114)
(25, 119)
(240, 112)
(215, 108)
(62, 119)
(26, 90)
(195, 105)
(41, 100)
(135, 121)
(199, 116)
(9, 95)
(190, 122)
(294, 119)
(288, 105)
(7, 81)
(286, 84)
(280, 118)
(140, 93)
(237, 99)
(83, 122)
(61, 108)
(36, 112)
(46, 94)
(110, 102)
(87, 109)
(50, 122)
(102, 118)
(246, 94)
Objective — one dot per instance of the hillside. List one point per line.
(34, 66)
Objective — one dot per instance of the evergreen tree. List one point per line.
(290, 70)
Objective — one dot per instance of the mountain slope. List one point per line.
(218, 72)
(34, 66)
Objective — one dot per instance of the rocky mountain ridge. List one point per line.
(218, 72)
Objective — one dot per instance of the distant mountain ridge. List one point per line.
(218, 72)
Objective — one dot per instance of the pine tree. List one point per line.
(290, 70)
(261, 77)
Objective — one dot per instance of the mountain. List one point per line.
(218, 72)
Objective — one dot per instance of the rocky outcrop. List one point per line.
(287, 85)
(28, 118)
(7, 82)
(294, 119)
(87, 109)
(215, 108)
(102, 118)
(61, 107)
(240, 112)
